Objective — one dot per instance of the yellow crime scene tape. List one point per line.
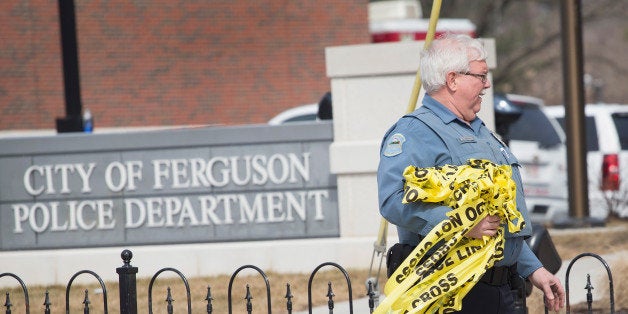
(473, 191)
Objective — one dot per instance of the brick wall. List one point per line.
(145, 63)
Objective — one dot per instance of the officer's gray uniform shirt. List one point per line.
(433, 136)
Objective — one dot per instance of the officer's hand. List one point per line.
(554, 293)
(486, 227)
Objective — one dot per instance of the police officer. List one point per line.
(445, 130)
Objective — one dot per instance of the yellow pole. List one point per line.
(431, 30)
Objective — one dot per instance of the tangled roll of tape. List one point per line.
(438, 282)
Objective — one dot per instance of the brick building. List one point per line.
(149, 63)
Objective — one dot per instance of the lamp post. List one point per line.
(72, 122)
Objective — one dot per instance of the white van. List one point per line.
(607, 156)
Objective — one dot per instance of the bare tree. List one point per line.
(528, 38)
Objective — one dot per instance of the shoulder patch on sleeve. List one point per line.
(394, 145)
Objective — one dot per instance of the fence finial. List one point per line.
(126, 255)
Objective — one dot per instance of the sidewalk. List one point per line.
(360, 306)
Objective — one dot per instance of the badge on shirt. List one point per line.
(394, 145)
(466, 139)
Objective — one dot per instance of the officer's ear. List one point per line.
(450, 80)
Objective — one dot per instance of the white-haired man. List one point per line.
(445, 130)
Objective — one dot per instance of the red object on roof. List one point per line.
(416, 29)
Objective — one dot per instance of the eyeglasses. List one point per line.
(482, 77)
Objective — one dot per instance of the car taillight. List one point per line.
(610, 172)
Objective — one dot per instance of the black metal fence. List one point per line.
(128, 290)
(589, 287)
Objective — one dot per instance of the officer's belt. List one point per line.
(498, 275)
(494, 276)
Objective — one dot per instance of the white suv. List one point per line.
(607, 156)
(538, 142)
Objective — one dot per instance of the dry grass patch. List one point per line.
(570, 243)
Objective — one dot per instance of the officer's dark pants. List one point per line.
(492, 294)
(487, 299)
